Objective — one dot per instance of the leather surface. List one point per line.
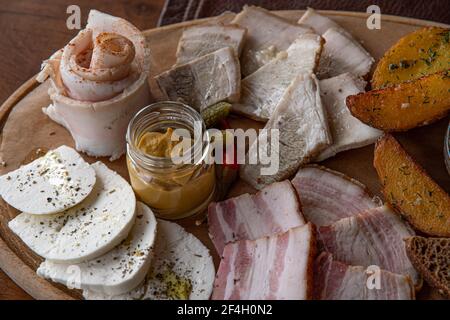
(183, 10)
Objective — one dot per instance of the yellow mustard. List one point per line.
(157, 144)
(172, 191)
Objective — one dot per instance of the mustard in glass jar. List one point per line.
(173, 189)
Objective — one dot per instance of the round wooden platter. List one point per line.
(24, 129)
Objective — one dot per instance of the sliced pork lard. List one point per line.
(375, 237)
(334, 280)
(197, 41)
(274, 209)
(98, 82)
(301, 124)
(341, 53)
(328, 196)
(204, 81)
(268, 34)
(262, 90)
(319, 23)
(275, 268)
(347, 131)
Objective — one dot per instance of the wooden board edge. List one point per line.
(190, 22)
(384, 17)
(13, 99)
(26, 278)
(11, 264)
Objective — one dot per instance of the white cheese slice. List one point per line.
(176, 252)
(55, 182)
(116, 272)
(86, 231)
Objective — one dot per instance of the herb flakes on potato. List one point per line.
(421, 53)
(410, 190)
(404, 106)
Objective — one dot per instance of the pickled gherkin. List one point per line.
(213, 114)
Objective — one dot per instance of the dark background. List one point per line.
(31, 30)
(180, 10)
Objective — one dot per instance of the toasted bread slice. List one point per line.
(431, 257)
(409, 189)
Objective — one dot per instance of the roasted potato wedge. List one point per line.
(404, 106)
(423, 52)
(409, 190)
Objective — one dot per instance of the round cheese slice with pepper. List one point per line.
(182, 268)
(86, 231)
(118, 271)
(57, 181)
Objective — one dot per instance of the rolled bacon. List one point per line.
(96, 68)
(98, 82)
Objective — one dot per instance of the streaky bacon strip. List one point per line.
(334, 280)
(328, 196)
(374, 237)
(274, 209)
(277, 267)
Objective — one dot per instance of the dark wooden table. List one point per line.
(31, 31)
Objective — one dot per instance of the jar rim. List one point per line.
(163, 162)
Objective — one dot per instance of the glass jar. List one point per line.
(173, 190)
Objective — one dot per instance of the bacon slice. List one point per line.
(334, 280)
(278, 267)
(328, 196)
(375, 237)
(274, 209)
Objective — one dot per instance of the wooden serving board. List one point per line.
(24, 129)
